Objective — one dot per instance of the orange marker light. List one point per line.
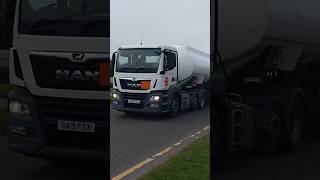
(104, 74)
(145, 85)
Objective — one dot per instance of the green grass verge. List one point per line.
(191, 163)
(3, 122)
(5, 89)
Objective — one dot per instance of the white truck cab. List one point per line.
(59, 64)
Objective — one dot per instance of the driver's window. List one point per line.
(170, 60)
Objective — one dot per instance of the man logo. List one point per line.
(77, 75)
(78, 57)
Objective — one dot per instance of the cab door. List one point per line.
(170, 67)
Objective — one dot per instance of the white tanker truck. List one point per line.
(160, 79)
(266, 80)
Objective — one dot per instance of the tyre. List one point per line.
(194, 104)
(292, 134)
(269, 133)
(202, 101)
(174, 106)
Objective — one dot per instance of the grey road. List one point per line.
(135, 138)
(304, 164)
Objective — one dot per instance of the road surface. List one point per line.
(304, 164)
(135, 138)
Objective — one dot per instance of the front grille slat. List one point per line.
(132, 85)
(73, 112)
(62, 73)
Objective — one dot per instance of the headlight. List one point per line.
(155, 98)
(115, 96)
(19, 109)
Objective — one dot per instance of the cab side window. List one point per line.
(170, 60)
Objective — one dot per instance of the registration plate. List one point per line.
(133, 101)
(76, 126)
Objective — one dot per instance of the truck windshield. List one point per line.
(138, 60)
(87, 18)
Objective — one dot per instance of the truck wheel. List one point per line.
(268, 136)
(194, 104)
(174, 106)
(292, 134)
(202, 101)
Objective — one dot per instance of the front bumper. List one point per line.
(145, 105)
(42, 139)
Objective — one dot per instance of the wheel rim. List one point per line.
(174, 104)
(297, 119)
(202, 102)
(273, 125)
(195, 103)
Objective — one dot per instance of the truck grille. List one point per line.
(135, 96)
(52, 110)
(132, 85)
(45, 73)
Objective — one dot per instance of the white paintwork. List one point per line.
(24, 44)
(191, 62)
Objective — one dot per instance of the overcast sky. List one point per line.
(160, 22)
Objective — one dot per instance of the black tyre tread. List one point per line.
(287, 144)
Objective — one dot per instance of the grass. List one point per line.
(3, 121)
(5, 89)
(193, 163)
